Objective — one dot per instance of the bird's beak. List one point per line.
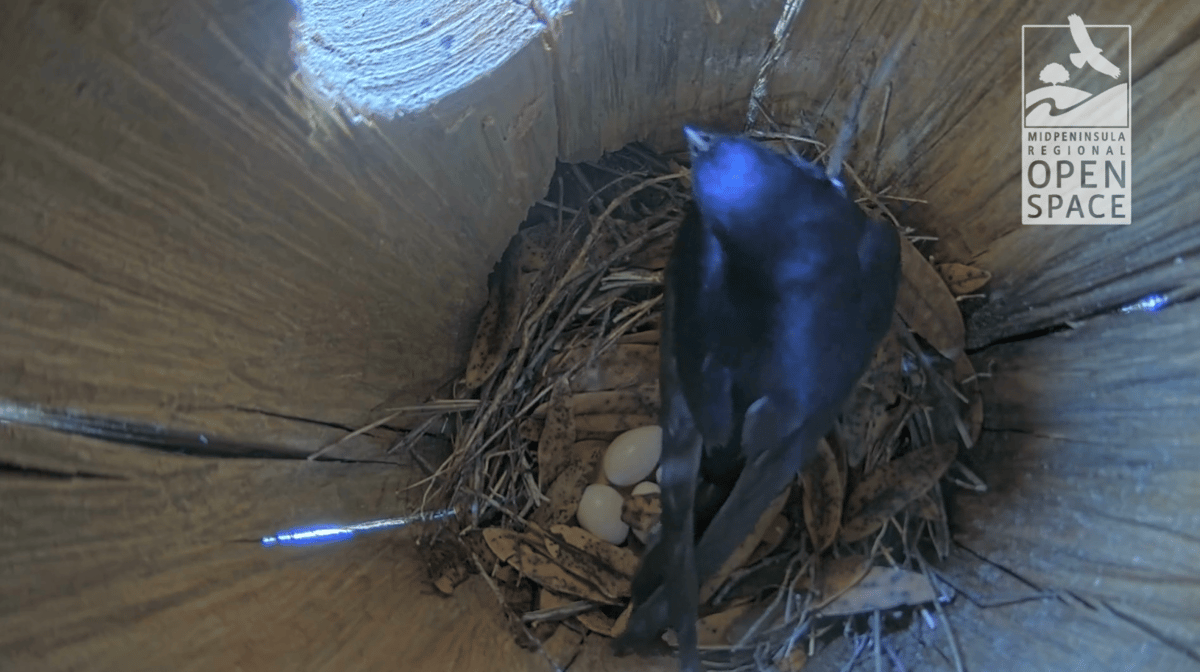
(698, 141)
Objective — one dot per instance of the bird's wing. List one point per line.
(1079, 33)
(682, 449)
(779, 456)
(1088, 51)
(695, 280)
(665, 588)
(879, 259)
(1104, 66)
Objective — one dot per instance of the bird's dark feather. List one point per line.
(778, 291)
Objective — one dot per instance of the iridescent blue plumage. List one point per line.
(778, 291)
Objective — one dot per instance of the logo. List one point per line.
(1075, 124)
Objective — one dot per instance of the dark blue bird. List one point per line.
(778, 291)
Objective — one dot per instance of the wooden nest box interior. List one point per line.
(249, 227)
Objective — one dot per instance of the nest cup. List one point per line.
(201, 244)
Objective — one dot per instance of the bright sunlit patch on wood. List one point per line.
(387, 58)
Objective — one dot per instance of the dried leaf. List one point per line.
(487, 351)
(884, 373)
(834, 577)
(506, 574)
(502, 542)
(747, 616)
(536, 243)
(939, 529)
(746, 548)
(622, 620)
(794, 661)
(623, 365)
(522, 260)
(714, 629)
(883, 588)
(445, 584)
(530, 429)
(564, 494)
(593, 565)
(655, 255)
(593, 620)
(605, 246)
(548, 599)
(563, 646)
(889, 488)
(963, 370)
(873, 409)
(774, 536)
(569, 357)
(526, 553)
(926, 305)
(448, 563)
(597, 622)
(963, 279)
(622, 561)
(606, 427)
(927, 507)
(824, 492)
(932, 509)
(747, 619)
(652, 336)
(640, 400)
(538, 566)
(554, 445)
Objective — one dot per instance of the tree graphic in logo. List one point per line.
(1054, 74)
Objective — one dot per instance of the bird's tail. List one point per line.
(1078, 59)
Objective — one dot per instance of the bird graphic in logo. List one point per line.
(1088, 52)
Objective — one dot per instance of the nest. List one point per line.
(566, 359)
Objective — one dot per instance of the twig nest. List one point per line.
(633, 455)
(871, 496)
(600, 513)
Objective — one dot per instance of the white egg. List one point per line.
(632, 456)
(646, 488)
(600, 513)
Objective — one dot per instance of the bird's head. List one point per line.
(734, 177)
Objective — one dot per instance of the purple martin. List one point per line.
(778, 291)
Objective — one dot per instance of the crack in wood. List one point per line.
(10, 469)
(143, 435)
(296, 418)
(1166, 298)
(1153, 632)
